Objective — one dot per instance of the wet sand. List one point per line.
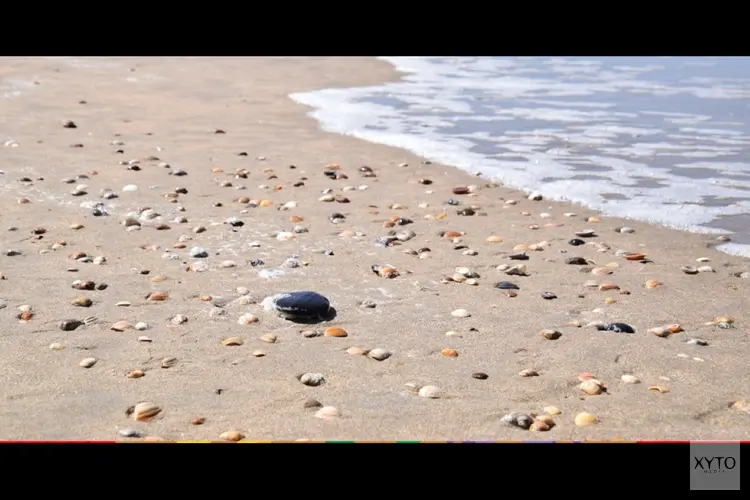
(168, 110)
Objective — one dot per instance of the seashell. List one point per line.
(507, 285)
(158, 296)
(548, 295)
(703, 259)
(547, 419)
(517, 419)
(528, 372)
(430, 392)
(608, 286)
(494, 239)
(689, 270)
(517, 270)
(634, 256)
(675, 328)
(585, 419)
(84, 285)
(460, 190)
(660, 331)
(460, 313)
(144, 411)
(652, 283)
(269, 338)
(480, 376)
(452, 234)
(586, 233)
(335, 332)
(356, 351)
(385, 271)
(312, 379)
(551, 410)
(448, 352)
(539, 426)
(591, 284)
(82, 302)
(121, 326)
(87, 362)
(285, 236)
(232, 341)
(379, 354)
(740, 405)
(179, 319)
(247, 319)
(232, 436)
(630, 379)
(168, 362)
(706, 269)
(592, 387)
(258, 353)
(295, 218)
(550, 334)
(659, 388)
(724, 319)
(135, 374)
(609, 300)
(601, 271)
(328, 412)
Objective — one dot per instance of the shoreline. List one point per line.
(310, 100)
(172, 111)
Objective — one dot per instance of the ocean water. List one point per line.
(660, 139)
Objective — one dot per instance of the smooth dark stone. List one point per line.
(480, 376)
(507, 285)
(548, 295)
(467, 212)
(518, 256)
(616, 327)
(303, 305)
(576, 242)
(576, 261)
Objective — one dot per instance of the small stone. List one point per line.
(130, 433)
(379, 354)
(232, 436)
(460, 313)
(87, 362)
(548, 295)
(312, 403)
(258, 353)
(269, 338)
(312, 379)
(198, 253)
(328, 412)
(135, 374)
(518, 419)
(449, 353)
(198, 421)
(56, 347)
(550, 334)
(630, 379)
(480, 376)
(551, 410)
(528, 372)
(247, 319)
(140, 326)
(430, 392)
(585, 419)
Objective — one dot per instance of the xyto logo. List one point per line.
(714, 465)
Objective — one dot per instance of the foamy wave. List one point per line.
(575, 130)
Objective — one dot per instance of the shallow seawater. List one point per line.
(660, 139)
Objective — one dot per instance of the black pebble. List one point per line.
(617, 328)
(576, 242)
(256, 262)
(507, 285)
(518, 256)
(303, 305)
(576, 261)
(480, 376)
(548, 295)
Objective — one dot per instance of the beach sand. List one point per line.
(170, 108)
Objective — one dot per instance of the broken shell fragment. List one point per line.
(145, 411)
(659, 388)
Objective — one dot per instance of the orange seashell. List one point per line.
(333, 166)
(608, 286)
(448, 352)
(267, 170)
(179, 245)
(388, 272)
(609, 300)
(277, 188)
(635, 256)
(389, 224)
(217, 170)
(205, 298)
(264, 203)
(335, 332)
(158, 296)
(652, 283)
(452, 234)
(243, 199)
(585, 376)
(592, 219)
(295, 218)
(395, 218)
(675, 328)
(25, 316)
(135, 374)
(441, 216)
(494, 239)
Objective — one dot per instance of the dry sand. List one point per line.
(169, 108)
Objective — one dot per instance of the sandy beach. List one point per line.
(255, 166)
